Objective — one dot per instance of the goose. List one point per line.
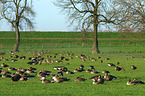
(6, 76)
(81, 66)
(109, 77)
(70, 57)
(28, 76)
(19, 72)
(104, 71)
(94, 78)
(30, 71)
(2, 53)
(117, 63)
(106, 58)
(100, 80)
(69, 72)
(98, 57)
(4, 65)
(11, 68)
(94, 72)
(61, 58)
(35, 63)
(46, 81)
(89, 70)
(91, 67)
(60, 73)
(66, 59)
(133, 67)
(80, 79)
(22, 69)
(16, 56)
(131, 83)
(64, 69)
(82, 56)
(22, 57)
(44, 62)
(41, 74)
(76, 70)
(24, 79)
(101, 61)
(15, 78)
(58, 61)
(13, 60)
(45, 71)
(111, 64)
(60, 79)
(5, 72)
(137, 81)
(6, 59)
(31, 68)
(79, 70)
(2, 58)
(29, 63)
(118, 68)
(92, 59)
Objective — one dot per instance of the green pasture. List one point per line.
(73, 88)
(115, 50)
(49, 34)
(48, 40)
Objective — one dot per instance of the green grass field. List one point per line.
(114, 51)
(48, 40)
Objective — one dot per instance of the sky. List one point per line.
(48, 18)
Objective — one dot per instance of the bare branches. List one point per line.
(133, 15)
(88, 1)
(14, 11)
(84, 11)
(28, 21)
(23, 8)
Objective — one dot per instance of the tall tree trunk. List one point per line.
(95, 48)
(17, 39)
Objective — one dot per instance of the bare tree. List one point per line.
(132, 13)
(17, 13)
(88, 13)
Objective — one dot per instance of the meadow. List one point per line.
(115, 46)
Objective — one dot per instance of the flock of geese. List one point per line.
(25, 74)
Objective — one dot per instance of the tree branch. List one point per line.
(85, 11)
(91, 3)
(23, 8)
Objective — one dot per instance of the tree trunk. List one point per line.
(16, 46)
(95, 48)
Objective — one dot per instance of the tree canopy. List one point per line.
(13, 10)
(17, 13)
(89, 13)
(132, 15)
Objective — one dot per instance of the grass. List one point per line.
(72, 88)
(33, 34)
(46, 40)
(115, 51)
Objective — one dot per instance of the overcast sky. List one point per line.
(48, 17)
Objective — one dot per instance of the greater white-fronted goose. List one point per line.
(80, 79)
